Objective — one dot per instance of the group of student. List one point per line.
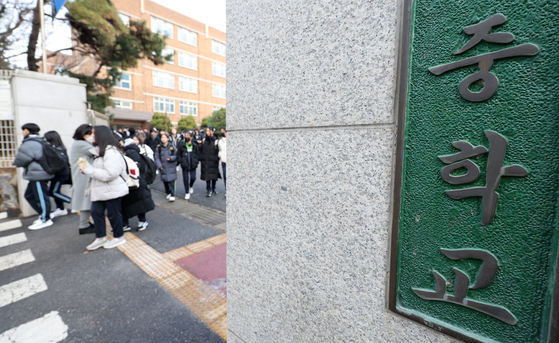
(100, 166)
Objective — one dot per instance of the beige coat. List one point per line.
(222, 145)
(107, 175)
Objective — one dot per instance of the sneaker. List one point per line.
(214, 192)
(58, 213)
(171, 199)
(191, 190)
(115, 243)
(187, 196)
(40, 225)
(142, 226)
(75, 211)
(126, 228)
(209, 194)
(97, 243)
(168, 196)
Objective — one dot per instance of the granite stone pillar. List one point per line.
(312, 125)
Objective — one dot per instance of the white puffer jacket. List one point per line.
(107, 175)
(222, 145)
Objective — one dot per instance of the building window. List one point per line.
(125, 19)
(163, 80)
(188, 61)
(163, 105)
(188, 108)
(218, 69)
(169, 52)
(218, 91)
(162, 27)
(188, 85)
(218, 48)
(187, 36)
(124, 82)
(125, 105)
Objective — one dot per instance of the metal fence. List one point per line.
(8, 144)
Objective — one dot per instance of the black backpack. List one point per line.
(151, 171)
(53, 161)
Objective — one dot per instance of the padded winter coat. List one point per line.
(169, 171)
(31, 151)
(108, 175)
(80, 181)
(188, 160)
(222, 146)
(138, 200)
(209, 160)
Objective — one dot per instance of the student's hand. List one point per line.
(81, 170)
(169, 159)
(161, 168)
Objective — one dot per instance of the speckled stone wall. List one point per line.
(311, 89)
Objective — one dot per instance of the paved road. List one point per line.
(98, 296)
(199, 196)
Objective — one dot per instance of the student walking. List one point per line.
(166, 160)
(188, 159)
(138, 201)
(222, 147)
(28, 156)
(210, 162)
(106, 187)
(53, 138)
(83, 143)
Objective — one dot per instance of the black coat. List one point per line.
(209, 159)
(138, 200)
(188, 160)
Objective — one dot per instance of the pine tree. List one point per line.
(100, 32)
(158, 121)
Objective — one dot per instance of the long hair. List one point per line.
(82, 130)
(103, 138)
(54, 138)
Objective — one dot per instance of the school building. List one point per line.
(192, 83)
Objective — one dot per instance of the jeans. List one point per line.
(224, 168)
(114, 212)
(141, 217)
(186, 175)
(210, 185)
(37, 196)
(54, 190)
(170, 188)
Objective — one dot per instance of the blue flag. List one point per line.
(56, 6)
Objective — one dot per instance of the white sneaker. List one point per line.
(59, 213)
(171, 199)
(187, 196)
(126, 228)
(142, 226)
(191, 190)
(97, 243)
(40, 225)
(168, 196)
(115, 243)
(74, 211)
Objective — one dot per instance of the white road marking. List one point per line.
(3, 215)
(12, 224)
(13, 239)
(48, 329)
(16, 259)
(22, 289)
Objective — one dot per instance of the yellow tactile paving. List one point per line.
(195, 248)
(204, 301)
(200, 246)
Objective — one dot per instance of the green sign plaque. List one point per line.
(475, 229)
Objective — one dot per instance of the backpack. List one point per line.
(151, 171)
(54, 160)
(133, 171)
